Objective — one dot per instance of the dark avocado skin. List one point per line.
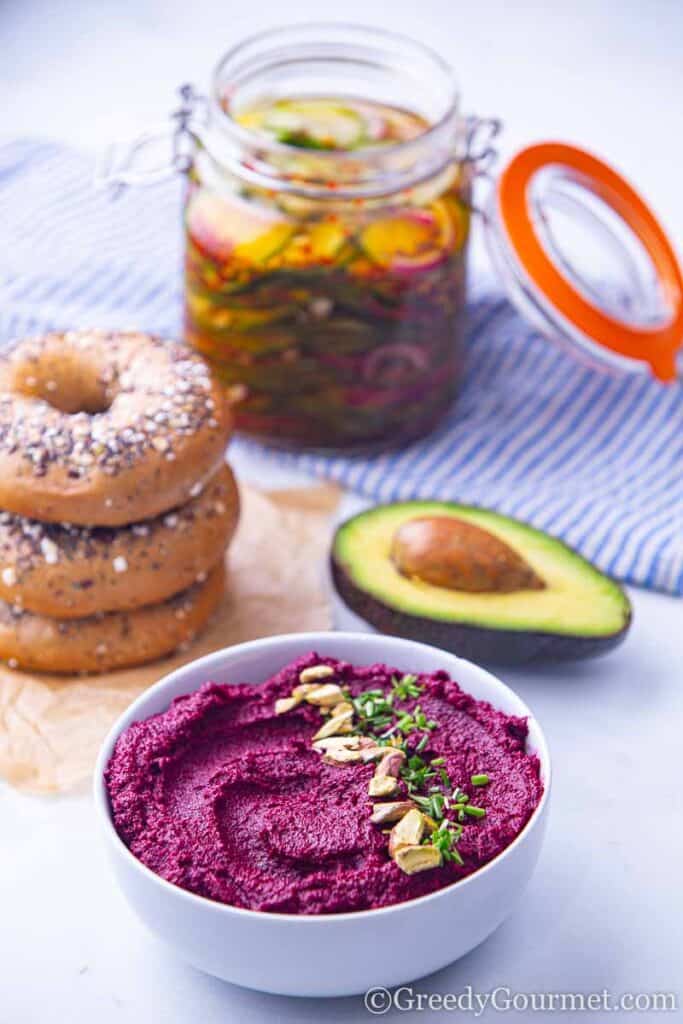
(495, 646)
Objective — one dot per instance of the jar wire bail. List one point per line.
(158, 154)
(480, 135)
(480, 152)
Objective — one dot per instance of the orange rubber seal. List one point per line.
(656, 346)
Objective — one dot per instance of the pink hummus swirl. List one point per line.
(224, 798)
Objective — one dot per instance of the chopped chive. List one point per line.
(455, 855)
(444, 839)
(480, 780)
(438, 760)
(474, 812)
(422, 744)
(406, 687)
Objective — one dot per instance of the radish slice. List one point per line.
(225, 228)
(395, 362)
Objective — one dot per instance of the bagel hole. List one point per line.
(68, 383)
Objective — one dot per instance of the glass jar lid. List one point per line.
(586, 261)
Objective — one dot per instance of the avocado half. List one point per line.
(575, 612)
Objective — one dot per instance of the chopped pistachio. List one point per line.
(337, 743)
(300, 692)
(341, 755)
(382, 785)
(334, 725)
(324, 696)
(392, 811)
(315, 673)
(343, 705)
(412, 859)
(391, 763)
(407, 832)
(285, 704)
(371, 752)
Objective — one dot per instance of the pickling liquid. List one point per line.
(333, 324)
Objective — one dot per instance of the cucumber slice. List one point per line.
(232, 347)
(315, 124)
(321, 242)
(410, 240)
(219, 316)
(331, 122)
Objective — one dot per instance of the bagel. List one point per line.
(71, 572)
(104, 428)
(114, 640)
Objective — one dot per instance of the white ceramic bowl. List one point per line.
(334, 954)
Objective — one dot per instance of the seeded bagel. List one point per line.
(71, 572)
(104, 428)
(114, 640)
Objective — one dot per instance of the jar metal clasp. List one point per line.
(157, 154)
(481, 152)
(480, 136)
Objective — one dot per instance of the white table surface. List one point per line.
(604, 908)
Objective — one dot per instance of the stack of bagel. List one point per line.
(116, 504)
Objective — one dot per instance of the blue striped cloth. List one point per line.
(596, 460)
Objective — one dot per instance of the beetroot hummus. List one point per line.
(222, 796)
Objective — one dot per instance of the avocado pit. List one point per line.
(457, 555)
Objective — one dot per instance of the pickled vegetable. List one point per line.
(332, 325)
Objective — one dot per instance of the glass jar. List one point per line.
(325, 281)
(327, 216)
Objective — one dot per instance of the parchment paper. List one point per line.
(51, 727)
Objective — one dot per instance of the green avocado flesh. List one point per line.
(579, 613)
